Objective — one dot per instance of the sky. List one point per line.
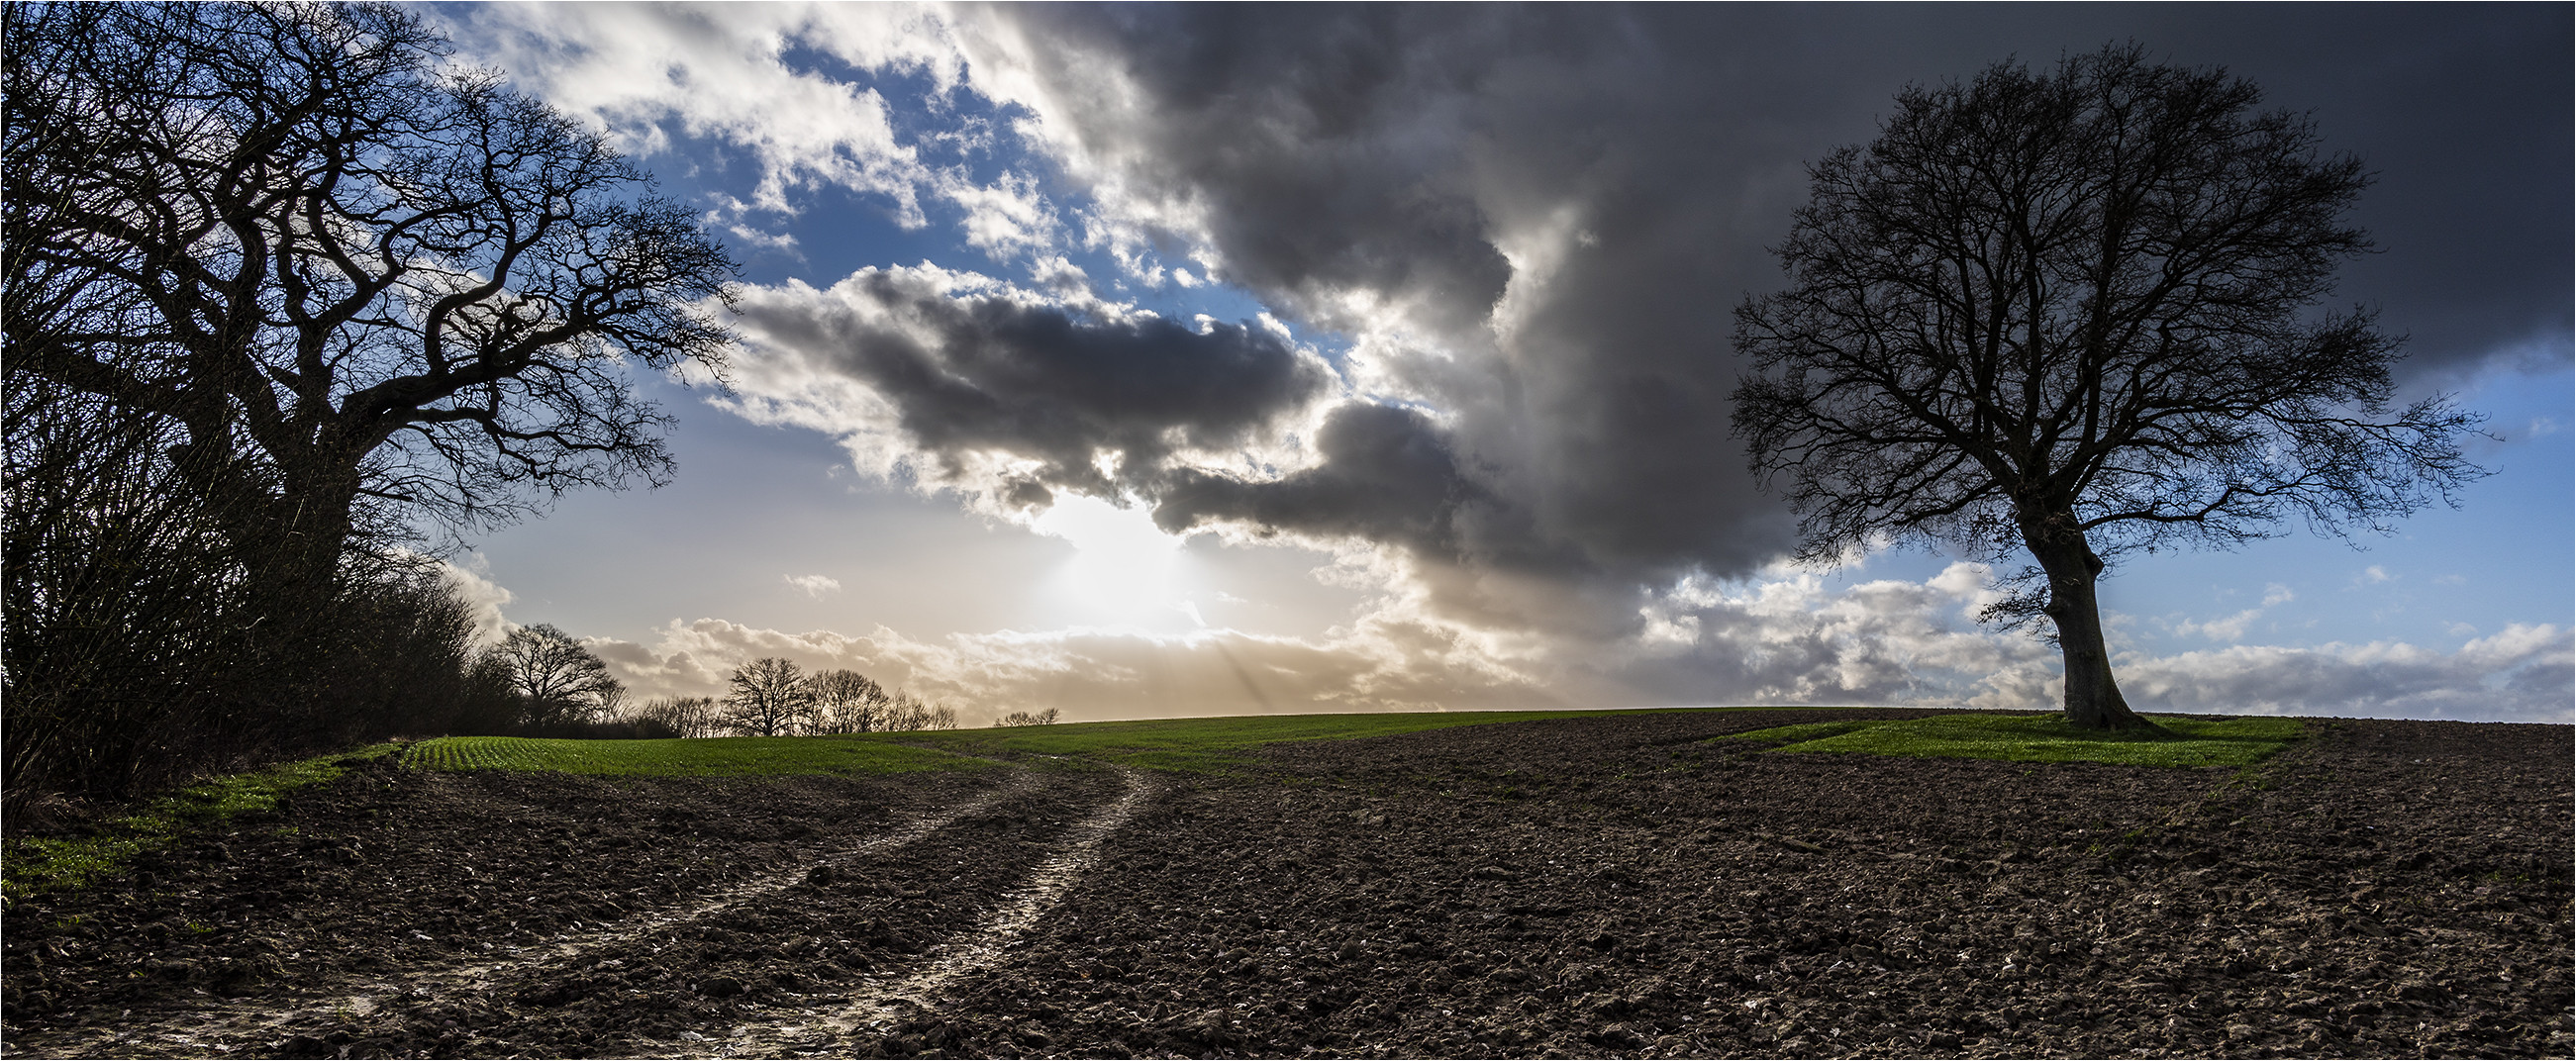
(1167, 361)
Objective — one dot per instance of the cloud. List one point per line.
(1441, 186)
(970, 384)
(485, 598)
(649, 71)
(1387, 475)
(1094, 674)
(815, 586)
(2523, 673)
(2232, 628)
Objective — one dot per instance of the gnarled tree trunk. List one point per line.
(2093, 699)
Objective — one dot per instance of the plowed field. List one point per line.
(1611, 886)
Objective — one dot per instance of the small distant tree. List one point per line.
(559, 681)
(1028, 718)
(609, 699)
(846, 701)
(685, 716)
(769, 699)
(2070, 313)
(910, 713)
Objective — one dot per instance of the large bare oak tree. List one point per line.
(356, 283)
(2078, 312)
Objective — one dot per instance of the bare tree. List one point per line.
(560, 681)
(1028, 718)
(846, 701)
(2073, 312)
(608, 699)
(361, 288)
(769, 699)
(908, 713)
(688, 716)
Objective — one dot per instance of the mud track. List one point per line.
(1607, 886)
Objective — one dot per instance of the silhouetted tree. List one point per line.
(1028, 718)
(769, 698)
(281, 289)
(846, 701)
(560, 681)
(2073, 312)
(908, 713)
(684, 716)
(355, 286)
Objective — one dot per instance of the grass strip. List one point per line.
(1201, 745)
(1215, 745)
(708, 757)
(35, 865)
(2178, 741)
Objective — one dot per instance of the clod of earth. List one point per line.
(1592, 886)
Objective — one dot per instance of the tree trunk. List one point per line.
(2093, 699)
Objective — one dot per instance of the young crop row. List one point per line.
(710, 757)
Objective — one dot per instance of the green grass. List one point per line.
(1210, 745)
(1188, 744)
(711, 757)
(2178, 741)
(36, 865)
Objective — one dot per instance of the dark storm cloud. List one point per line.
(1402, 153)
(1299, 133)
(998, 373)
(1388, 474)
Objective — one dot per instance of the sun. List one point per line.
(1125, 571)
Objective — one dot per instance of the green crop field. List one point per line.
(2183, 742)
(711, 757)
(1172, 744)
(1206, 744)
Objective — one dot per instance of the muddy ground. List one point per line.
(1611, 886)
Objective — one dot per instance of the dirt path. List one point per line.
(917, 995)
(255, 1024)
(516, 996)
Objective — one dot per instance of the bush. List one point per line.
(139, 650)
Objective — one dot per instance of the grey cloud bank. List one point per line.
(1063, 388)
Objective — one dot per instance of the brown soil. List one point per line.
(1590, 887)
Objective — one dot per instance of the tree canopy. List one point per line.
(363, 288)
(2078, 312)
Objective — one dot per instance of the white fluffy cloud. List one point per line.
(719, 71)
(483, 597)
(814, 586)
(2520, 674)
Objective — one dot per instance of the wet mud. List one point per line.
(1614, 886)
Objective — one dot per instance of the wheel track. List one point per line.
(252, 1025)
(875, 1008)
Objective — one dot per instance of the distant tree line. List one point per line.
(288, 300)
(554, 686)
(773, 698)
